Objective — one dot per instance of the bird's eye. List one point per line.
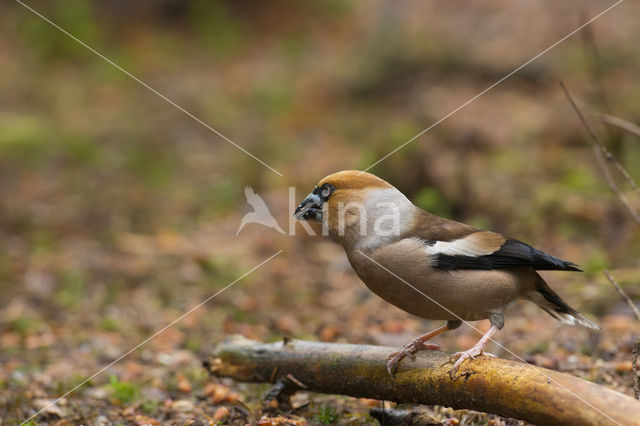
(326, 191)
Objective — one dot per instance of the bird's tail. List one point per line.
(547, 299)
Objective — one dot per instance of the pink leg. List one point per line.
(415, 345)
(476, 350)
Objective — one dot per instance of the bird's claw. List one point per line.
(408, 350)
(464, 355)
(391, 368)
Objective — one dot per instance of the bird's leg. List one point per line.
(497, 322)
(418, 344)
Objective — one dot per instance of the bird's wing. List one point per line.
(454, 245)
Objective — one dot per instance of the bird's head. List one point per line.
(356, 206)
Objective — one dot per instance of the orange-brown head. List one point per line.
(349, 203)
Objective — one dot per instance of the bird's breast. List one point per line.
(421, 290)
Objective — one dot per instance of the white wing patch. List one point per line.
(473, 245)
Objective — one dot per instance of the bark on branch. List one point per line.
(492, 385)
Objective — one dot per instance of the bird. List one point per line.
(260, 213)
(429, 266)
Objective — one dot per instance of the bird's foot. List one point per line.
(408, 350)
(464, 355)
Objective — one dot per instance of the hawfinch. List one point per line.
(428, 266)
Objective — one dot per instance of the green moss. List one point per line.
(327, 414)
(122, 392)
(25, 325)
(110, 324)
(24, 139)
(62, 386)
(193, 344)
(197, 376)
(72, 289)
(150, 407)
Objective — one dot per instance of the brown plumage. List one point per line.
(429, 266)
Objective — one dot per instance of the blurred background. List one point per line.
(118, 212)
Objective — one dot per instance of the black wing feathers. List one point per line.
(512, 254)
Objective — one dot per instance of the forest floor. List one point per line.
(119, 213)
(163, 382)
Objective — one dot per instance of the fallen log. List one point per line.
(492, 385)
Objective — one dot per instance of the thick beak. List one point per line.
(310, 208)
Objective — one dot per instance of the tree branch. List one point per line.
(622, 293)
(603, 155)
(621, 123)
(492, 385)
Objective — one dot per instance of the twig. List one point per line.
(621, 123)
(603, 148)
(636, 346)
(593, 54)
(296, 381)
(603, 153)
(414, 416)
(596, 139)
(634, 368)
(596, 69)
(624, 295)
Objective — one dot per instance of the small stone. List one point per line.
(98, 393)
(101, 421)
(233, 397)
(183, 406)
(144, 420)
(221, 414)
(183, 383)
(219, 394)
(624, 366)
(209, 389)
(49, 407)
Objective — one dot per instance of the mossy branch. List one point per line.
(492, 385)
